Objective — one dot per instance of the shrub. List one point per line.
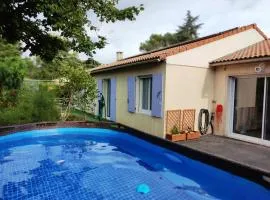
(78, 88)
(32, 106)
(174, 130)
(44, 105)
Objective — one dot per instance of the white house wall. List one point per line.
(188, 88)
(222, 74)
(201, 56)
(189, 80)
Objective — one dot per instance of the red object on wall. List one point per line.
(219, 110)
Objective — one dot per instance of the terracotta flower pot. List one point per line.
(176, 137)
(193, 135)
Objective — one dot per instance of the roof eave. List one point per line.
(105, 69)
(247, 60)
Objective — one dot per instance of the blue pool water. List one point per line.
(80, 163)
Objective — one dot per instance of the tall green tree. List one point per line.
(189, 29)
(44, 70)
(91, 63)
(157, 41)
(77, 86)
(12, 66)
(48, 70)
(33, 21)
(185, 32)
(12, 70)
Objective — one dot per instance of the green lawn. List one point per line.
(80, 115)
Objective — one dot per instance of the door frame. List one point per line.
(230, 112)
(106, 87)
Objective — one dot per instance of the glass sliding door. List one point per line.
(248, 106)
(251, 110)
(267, 111)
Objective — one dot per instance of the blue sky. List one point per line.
(161, 16)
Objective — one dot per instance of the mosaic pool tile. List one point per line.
(93, 167)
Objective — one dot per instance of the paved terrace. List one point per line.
(252, 155)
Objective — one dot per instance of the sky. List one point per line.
(162, 16)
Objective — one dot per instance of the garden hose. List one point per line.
(101, 104)
(203, 126)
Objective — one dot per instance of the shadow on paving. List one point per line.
(253, 155)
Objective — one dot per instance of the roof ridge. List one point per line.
(253, 25)
(161, 54)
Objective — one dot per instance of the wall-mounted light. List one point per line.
(260, 68)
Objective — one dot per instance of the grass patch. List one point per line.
(81, 115)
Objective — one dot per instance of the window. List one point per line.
(145, 94)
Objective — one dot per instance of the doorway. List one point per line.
(250, 108)
(107, 97)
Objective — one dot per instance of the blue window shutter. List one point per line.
(157, 95)
(113, 100)
(131, 94)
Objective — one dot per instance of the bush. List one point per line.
(174, 130)
(45, 108)
(32, 106)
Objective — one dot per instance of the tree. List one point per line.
(47, 70)
(91, 63)
(12, 67)
(187, 31)
(78, 87)
(33, 21)
(12, 70)
(43, 70)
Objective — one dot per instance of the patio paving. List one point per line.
(244, 153)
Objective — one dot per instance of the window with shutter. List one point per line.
(145, 94)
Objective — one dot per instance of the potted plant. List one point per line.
(191, 135)
(176, 135)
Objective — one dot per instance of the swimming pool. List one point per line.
(91, 163)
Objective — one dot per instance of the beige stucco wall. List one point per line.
(221, 88)
(143, 122)
(188, 88)
(190, 81)
(201, 56)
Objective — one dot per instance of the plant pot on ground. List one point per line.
(176, 135)
(193, 135)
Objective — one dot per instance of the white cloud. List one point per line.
(162, 16)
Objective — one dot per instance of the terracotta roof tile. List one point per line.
(161, 54)
(258, 50)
